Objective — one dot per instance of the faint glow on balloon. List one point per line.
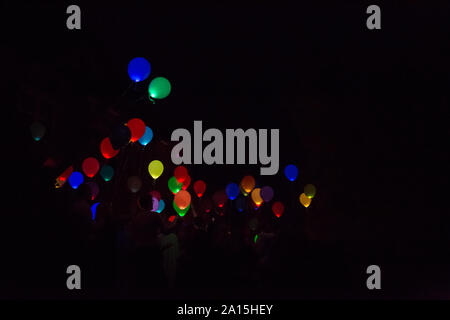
(155, 204)
(232, 190)
(90, 166)
(138, 69)
(220, 197)
(155, 168)
(248, 183)
(240, 203)
(75, 179)
(180, 173)
(180, 212)
(186, 183)
(266, 193)
(107, 172)
(171, 219)
(155, 194)
(304, 200)
(94, 189)
(278, 208)
(199, 188)
(174, 185)
(291, 172)
(310, 191)
(255, 238)
(120, 136)
(63, 177)
(94, 209)
(137, 129)
(134, 184)
(147, 137)
(37, 130)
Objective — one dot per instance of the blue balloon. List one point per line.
(291, 172)
(240, 203)
(161, 207)
(94, 209)
(232, 190)
(139, 69)
(147, 137)
(75, 179)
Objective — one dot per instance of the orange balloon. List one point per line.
(256, 196)
(182, 199)
(248, 183)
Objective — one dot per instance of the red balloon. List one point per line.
(155, 194)
(199, 188)
(66, 174)
(220, 197)
(90, 167)
(171, 219)
(137, 128)
(107, 149)
(186, 183)
(182, 199)
(180, 174)
(278, 208)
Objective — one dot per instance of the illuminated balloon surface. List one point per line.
(155, 194)
(107, 149)
(138, 69)
(304, 200)
(232, 190)
(137, 129)
(199, 188)
(220, 197)
(155, 168)
(147, 137)
(182, 199)
(186, 183)
(161, 206)
(266, 193)
(94, 210)
(256, 196)
(310, 191)
(37, 130)
(180, 212)
(248, 183)
(90, 166)
(174, 185)
(278, 208)
(291, 172)
(180, 173)
(76, 179)
(159, 88)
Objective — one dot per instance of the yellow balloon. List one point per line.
(304, 200)
(310, 191)
(256, 196)
(155, 168)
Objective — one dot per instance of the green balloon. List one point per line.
(180, 212)
(310, 191)
(159, 88)
(174, 185)
(107, 172)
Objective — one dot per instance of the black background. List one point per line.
(364, 113)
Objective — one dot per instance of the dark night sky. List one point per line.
(364, 113)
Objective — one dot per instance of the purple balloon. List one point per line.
(155, 204)
(266, 193)
(94, 189)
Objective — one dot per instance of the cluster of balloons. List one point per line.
(139, 70)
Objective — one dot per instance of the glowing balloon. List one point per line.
(37, 130)
(291, 172)
(240, 203)
(94, 189)
(161, 206)
(278, 208)
(120, 136)
(310, 191)
(232, 190)
(172, 219)
(134, 184)
(180, 212)
(138, 69)
(182, 199)
(304, 200)
(137, 129)
(155, 204)
(107, 149)
(255, 238)
(159, 88)
(147, 137)
(199, 188)
(242, 190)
(266, 193)
(107, 172)
(155, 168)
(248, 183)
(90, 166)
(174, 185)
(186, 183)
(220, 197)
(155, 194)
(61, 180)
(94, 209)
(256, 196)
(180, 173)
(75, 179)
